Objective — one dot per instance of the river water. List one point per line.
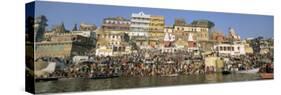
(71, 85)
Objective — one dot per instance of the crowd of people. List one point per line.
(150, 63)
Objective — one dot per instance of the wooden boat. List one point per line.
(45, 79)
(266, 75)
(170, 75)
(104, 76)
(225, 72)
(256, 70)
(65, 78)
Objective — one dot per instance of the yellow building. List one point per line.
(181, 43)
(213, 63)
(199, 29)
(156, 26)
(112, 43)
(153, 42)
(248, 48)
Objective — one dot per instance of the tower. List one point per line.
(40, 24)
(75, 28)
(232, 35)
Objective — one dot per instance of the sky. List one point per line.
(246, 25)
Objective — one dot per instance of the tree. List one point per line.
(203, 22)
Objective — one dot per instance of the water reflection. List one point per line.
(133, 82)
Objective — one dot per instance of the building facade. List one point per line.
(60, 43)
(199, 29)
(87, 27)
(156, 26)
(116, 24)
(217, 36)
(230, 49)
(202, 27)
(53, 49)
(139, 24)
(112, 43)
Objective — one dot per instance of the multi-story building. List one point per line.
(139, 24)
(198, 28)
(156, 26)
(156, 30)
(112, 43)
(116, 24)
(261, 45)
(202, 27)
(112, 37)
(181, 29)
(230, 49)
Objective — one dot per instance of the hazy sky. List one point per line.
(71, 13)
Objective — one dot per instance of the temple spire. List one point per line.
(190, 37)
(75, 28)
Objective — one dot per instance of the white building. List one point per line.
(230, 49)
(139, 24)
(104, 51)
(112, 50)
(83, 33)
(79, 59)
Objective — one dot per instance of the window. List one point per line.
(114, 48)
(229, 48)
(221, 48)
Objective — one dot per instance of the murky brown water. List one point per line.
(72, 85)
